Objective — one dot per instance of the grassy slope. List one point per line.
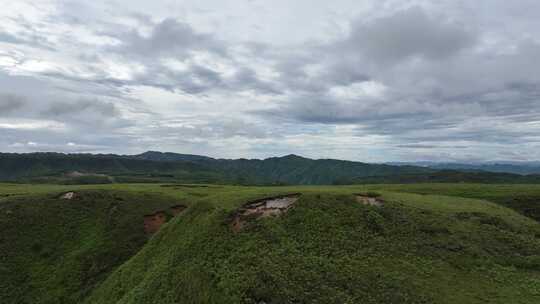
(523, 198)
(56, 251)
(327, 249)
(330, 249)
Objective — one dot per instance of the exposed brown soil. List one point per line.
(68, 195)
(369, 200)
(154, 221)
(175, 210)
(265, 207)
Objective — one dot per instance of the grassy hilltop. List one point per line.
(436, 243)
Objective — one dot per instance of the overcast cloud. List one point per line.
(369, 81)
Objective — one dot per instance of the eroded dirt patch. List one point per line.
(68, 195)
(177, 209)
(154, 221)
(370, 200)
(265, 207)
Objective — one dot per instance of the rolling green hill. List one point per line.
(523, 198)
(329, 247)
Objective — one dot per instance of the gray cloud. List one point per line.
(170, 38)
(25, 33)
(455, 80)
(246, 78)
(407, 34)
(63, 110)
(10, 103)
(426, 146)
(6, 37)
(222, 128)
(450, 92)
(84, 106)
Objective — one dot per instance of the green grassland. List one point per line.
(428, 243)
(523, 198)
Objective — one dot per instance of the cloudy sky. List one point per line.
(446, 80)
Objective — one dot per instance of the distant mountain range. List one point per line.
(155, 166)
(522, 168)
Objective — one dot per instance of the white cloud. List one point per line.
(359, 90)
(368, 81)
(31, 124)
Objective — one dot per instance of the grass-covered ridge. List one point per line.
(523, 198)
(328, 248)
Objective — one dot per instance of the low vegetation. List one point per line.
(415, 247)
(56, 248)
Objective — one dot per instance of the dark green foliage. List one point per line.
(56, 251)
(448, 176)
(54, 168)
(370, 194)
(297, 170)
(169, 167)
(152, 167)
(525, 204)
(516, 167)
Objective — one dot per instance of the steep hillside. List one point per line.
(55, 250)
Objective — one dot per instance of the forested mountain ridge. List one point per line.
(173, 167)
